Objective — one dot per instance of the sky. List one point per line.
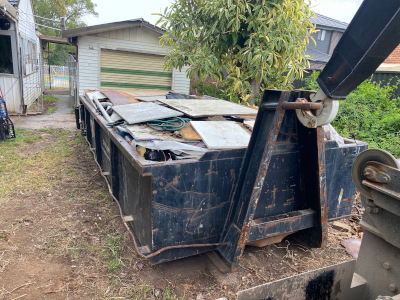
(120, 10)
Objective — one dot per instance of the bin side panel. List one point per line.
(340, 186)
(87, 123)
(133, 191)
(191, 201)
(105, 148)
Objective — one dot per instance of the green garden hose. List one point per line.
(170, 124)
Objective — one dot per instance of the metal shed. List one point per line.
(124, 55)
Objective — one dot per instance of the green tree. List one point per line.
(245, 44)
(73, 11)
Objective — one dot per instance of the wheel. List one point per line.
(377, 155)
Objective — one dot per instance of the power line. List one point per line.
(25, 13)
(48, 27)
(54, 28)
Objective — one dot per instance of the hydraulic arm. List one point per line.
(371, 36)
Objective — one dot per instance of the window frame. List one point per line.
(14, 53)
(321, 35)
(29, 58)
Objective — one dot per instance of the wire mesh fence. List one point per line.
(33, 84)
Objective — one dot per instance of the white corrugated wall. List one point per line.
(180, 83)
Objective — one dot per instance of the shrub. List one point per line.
(370, 113)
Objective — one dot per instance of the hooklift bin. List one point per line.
(184, 202)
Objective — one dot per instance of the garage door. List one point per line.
(120, 69)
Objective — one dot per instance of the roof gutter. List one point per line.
(8, 9)
(110, 26)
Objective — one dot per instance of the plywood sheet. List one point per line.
(131, 98)
(204, 108)
(222, 134)
(119, 97)
(143, 112)
(188, 133)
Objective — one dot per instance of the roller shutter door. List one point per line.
(120, 69)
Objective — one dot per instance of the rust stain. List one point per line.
(289, 202)
(155, 192)
(209, 172)
(274, 194)
(243, 236)
(169, 186)
(175, 181)
(348, 200)
(233, 175)
(271, 205)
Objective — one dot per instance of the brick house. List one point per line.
(328, 36)
(394, 58)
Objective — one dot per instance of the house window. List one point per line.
(321, 35)
(6, 60)
(29, 57)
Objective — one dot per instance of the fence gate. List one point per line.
(56, 77)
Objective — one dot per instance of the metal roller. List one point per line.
(359, 171)
(323, 116)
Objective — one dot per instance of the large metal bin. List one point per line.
(185, 202)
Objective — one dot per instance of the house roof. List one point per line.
(110, 26)
(324, 21)
(318, 56)
(7, 9)
(53, 39)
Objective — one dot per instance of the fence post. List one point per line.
(48, 61)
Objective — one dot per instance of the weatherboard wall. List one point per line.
(27, 32)
(135, 39)
(23, 30)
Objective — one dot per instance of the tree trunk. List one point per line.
(255, 91)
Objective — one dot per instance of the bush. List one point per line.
(371, 113)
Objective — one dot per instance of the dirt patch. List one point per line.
(57, 113)
(61, 236)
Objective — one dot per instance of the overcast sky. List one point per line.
(119, 10)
